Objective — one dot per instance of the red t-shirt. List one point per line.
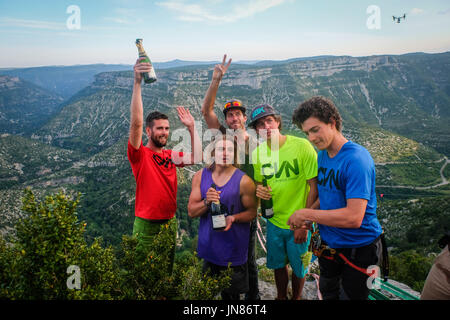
(156, 182)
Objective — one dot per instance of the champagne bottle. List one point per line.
(266, 205)
(149, 77)
(217, 215)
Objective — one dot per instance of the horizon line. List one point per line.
(238, 61)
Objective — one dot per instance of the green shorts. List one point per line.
(281, 250)
(146, 231)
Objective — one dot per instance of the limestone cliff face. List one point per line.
(384, 92)
(9, 82)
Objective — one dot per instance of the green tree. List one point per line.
(411, 268)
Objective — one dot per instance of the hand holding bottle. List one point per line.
(263, 192)
(149, 76)
(217, 213)
(140, 68)
(212, 195)
(266, 199)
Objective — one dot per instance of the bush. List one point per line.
(9, 259)
(194, 285)
(50, 239)
(410, 268)
(147, 277)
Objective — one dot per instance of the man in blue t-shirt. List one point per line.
(347, 219)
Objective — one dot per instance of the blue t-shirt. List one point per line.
(348, 175)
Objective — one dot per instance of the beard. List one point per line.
(236, 126)
(158, 143)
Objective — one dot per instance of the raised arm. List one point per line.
(195, 156)
(136, 108)
(208, 103)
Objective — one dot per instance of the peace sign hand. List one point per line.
(221, 69)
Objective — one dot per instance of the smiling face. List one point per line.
(320, 134)
(235, 119)
(159, 132)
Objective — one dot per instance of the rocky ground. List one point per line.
(268, 290)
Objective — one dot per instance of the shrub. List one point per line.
(50, 239)
(410, 268)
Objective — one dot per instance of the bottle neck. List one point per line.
(141, 49)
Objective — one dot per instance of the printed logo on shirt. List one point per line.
(331, 178)
(166, 162)
(268, 170)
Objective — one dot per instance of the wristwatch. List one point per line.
(206, 203)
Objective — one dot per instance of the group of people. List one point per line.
(333, 190)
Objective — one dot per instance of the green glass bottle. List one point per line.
(217, 215)
(149, 77)
(266, 205)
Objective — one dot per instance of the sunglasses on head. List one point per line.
(233, 104)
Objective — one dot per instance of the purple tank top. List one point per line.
(221, 247)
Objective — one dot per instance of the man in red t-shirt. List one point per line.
(154, 167)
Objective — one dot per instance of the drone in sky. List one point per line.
(399, 18)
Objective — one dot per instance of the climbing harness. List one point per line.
(320, 249)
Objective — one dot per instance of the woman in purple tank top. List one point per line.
(236, 193)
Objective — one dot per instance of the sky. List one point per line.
(60, 32)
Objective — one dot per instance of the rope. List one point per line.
(316, 279)
(258, 231)
(362, 270)
(260, 242)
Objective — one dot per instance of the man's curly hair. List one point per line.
(319, 107)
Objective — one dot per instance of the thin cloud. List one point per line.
(444, 11)
(416, 11)
(124, 16)
(34, 24)
(117, 20)
(196, 13)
